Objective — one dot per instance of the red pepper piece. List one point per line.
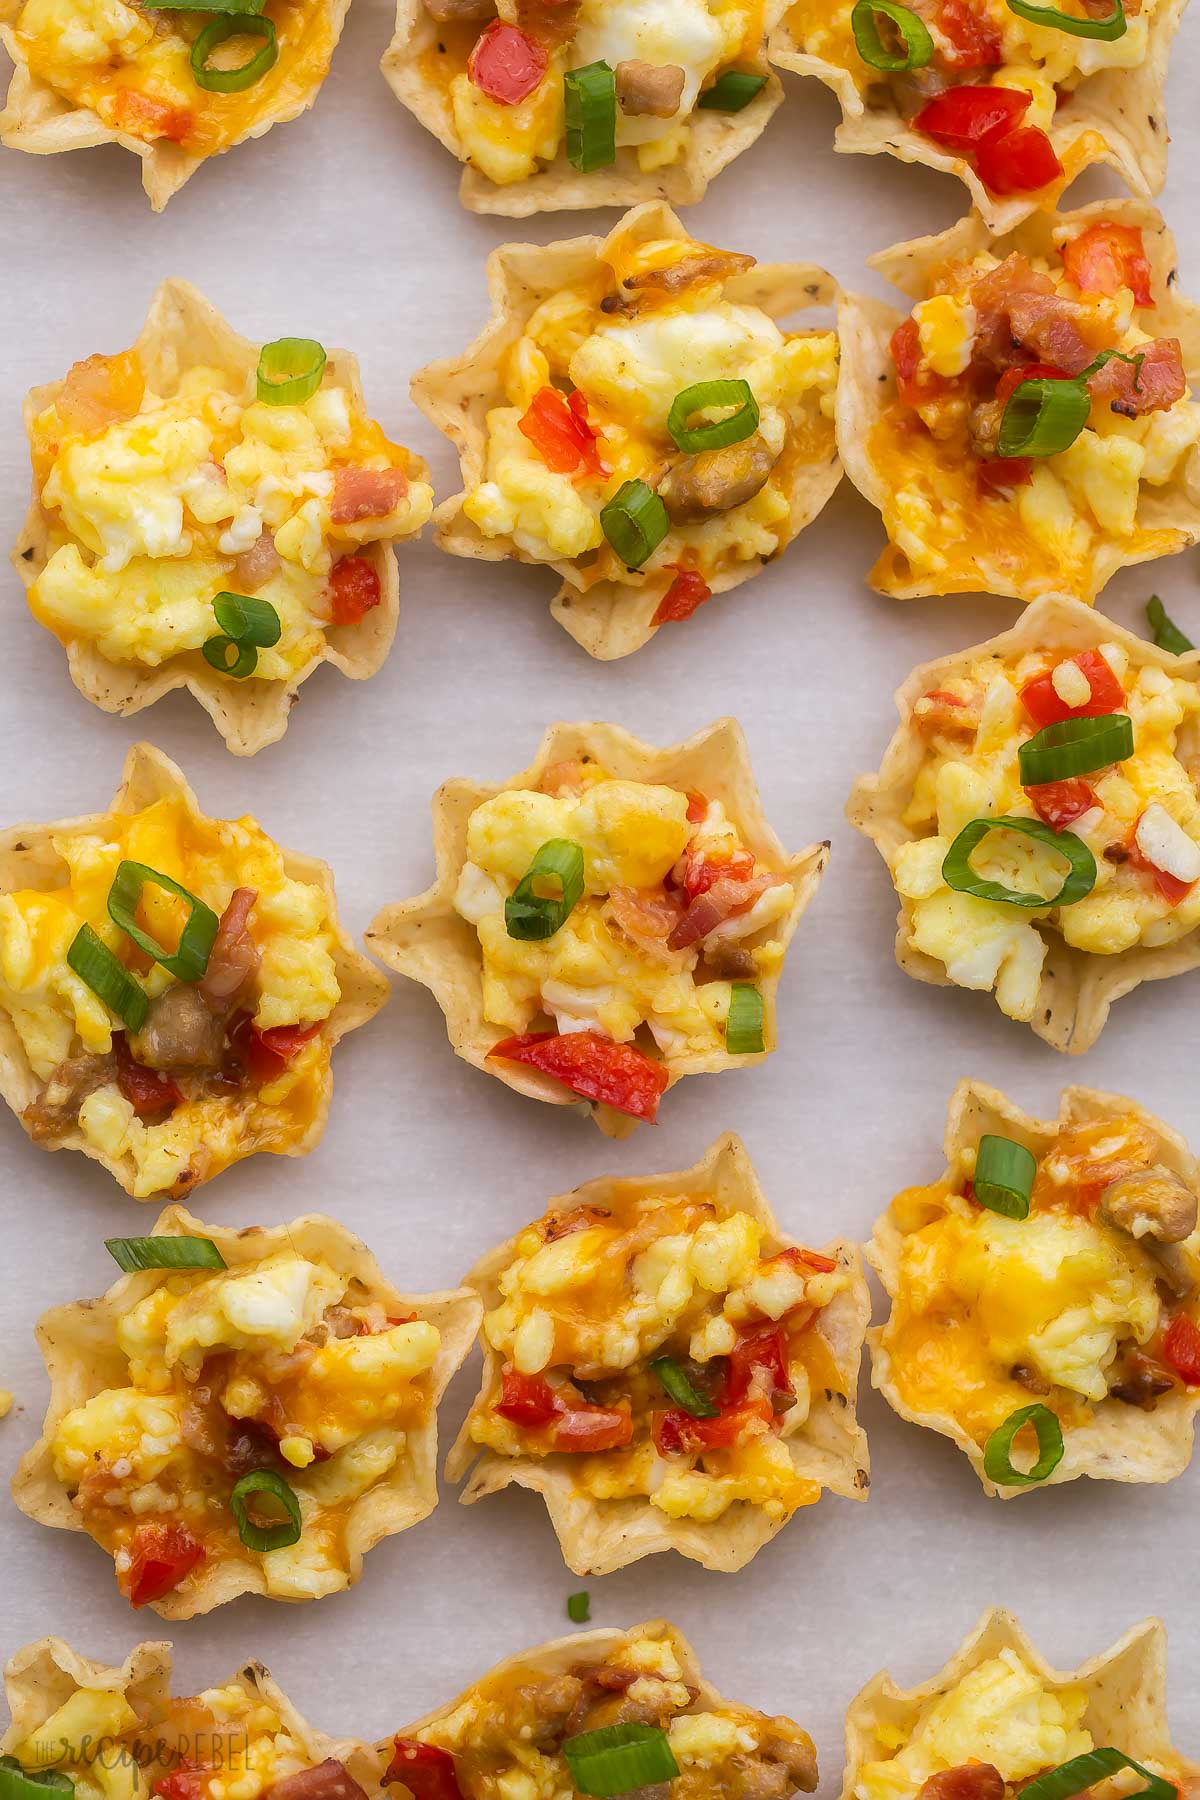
(505, 64)
(617, 1075)
(1011, 379)
(676, 1433)
(559, 431)
(353, 590)
(975, 41)
(963, 118)
(160, 1556)
(758, 1369)
(1059, 803)
(187, 1782)
(527, 1400)
(1181, 1348)
(1041, 701)
(1020, 162)
(1106, 257)
(427, 1772)
(147, 1090)
(688, 591)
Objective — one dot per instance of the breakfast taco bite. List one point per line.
(1028, 429)
(1037, 811)
(1047, 1286)
(245, 1412)
(593, 422)
(165, 1065)
(552, 108)
(173, 85)
(613, 918)
(1015, 97)
(214, 514)
(998, 1721)
(667, 1369)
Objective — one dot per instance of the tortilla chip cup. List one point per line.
(38, 119)
(1077, 988)
(1168, 517)
(611, 616)
(428, 941)
(28, 859)
(83, 1358)
(1117, 116)
(1119, 1442)
(598, 1536)
(184, 331)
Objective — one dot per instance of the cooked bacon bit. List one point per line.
(1138, 1380)
(366, 494)
(701, 265)
(235, 958)
(1018, 310)
(651, 88)
(715, 903)
(144, 117)
(578, 1218)
(57, 1106)
(328, 1780)
(688, 591)
(257, 565)
(701, 868)
(969, 1781)
(1107, 257)
(1001, 474)
(100, 391)
(975, 40)
(354, 590)
(1029, 1379)
(647, 916)
(1153, 385)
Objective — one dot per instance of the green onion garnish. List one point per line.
(579, 1607)
(215, 33)
(1167, 634)
(290, 371)
(1043, 417)
(618, 1758)
(1094, 1766)
(590, 116)
(218, 652)
(681, 1389)
(265, 1537)
(718, 432)
(1109, 29)
(635, 522)
(1075, 747)
(744, 1025)
(918, 44)
(997, 1462)
(1003, 1179)
(532, 915)
(247, 620)
(190, 959)
(133, 1254)
(732, 91)
(17, 1783)
(96, 966)
(958, 874)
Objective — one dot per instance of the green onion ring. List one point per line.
(718, 432)
(134, 1254)
(618, 1758)
(579, 1607)
(918, 44)
(681, 1390)
(91, 959)
(590, 116)
(1093, 1766)
(290, 371)
(215, 33)
(997, 1462)
(533, 916)
(1049, 16)
(247, 620)
(1075, 747)
(744, 1025)
(1167, 634)
(17, 1783)
(731, 91)
(635, 522)
(189, 960)
(215, 651)
(1003, 1179)
(958, 874)
(265, 1537)
(1043, 417)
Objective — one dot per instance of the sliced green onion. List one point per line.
(681, 1389)
(1106, 356)
(532, 915)
(1167, 634)
(17, 1783)
(1043, 417)
(635, 523)
(958, 874)
(579, 1607)
(1109, 29)
(217, 652)
(132, 1254)
(997, 1461)
(247, 620)
(918, 44)
(189, 960)
(96, 966)
(1093, 1766)
(732, 91)
(290, 371)
(618, 1758)
(265, 1537)
(215, 33)
(1075, 747)
(744, 1026)
(1003, 1179)
(590, 115)
(718, 432)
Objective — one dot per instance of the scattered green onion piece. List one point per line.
(1167, 634)
(958, 874)
(590, 114)
(247, 620)
(290, 371)
(732, 91)
(1003, 1179)
(618, 1758)
(216, 652)
(1043, 417)
(265, 1537)
(579, 1607)
(717, 432)
(1075, 747)
(681, 1390)
(215, 33)
(997, 1461)
(17, 1783)
(189, 960)
(1108, 29)
(744, 1026)
(635, 523)
(918, 44)
(532, 916)
(1094, 1766)
(133, 1254)
(96, 966)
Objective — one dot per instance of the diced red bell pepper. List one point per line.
(963, 118)
(532, 1403)
(1181, 1348)
(1059, 803)
(354, 590)
(758, 1368)
(1172, 889)
(428, 1772)
(701, 870)
(148, 1091)
(1000, 474)
(1041, 701)
(914, 384)
(187, 1782)
(1011, 380)
(1020, 162)
(616, 1075)
(527, 1400)
(268, 1053)
(506, 64)
(1106, 257)
(558, 429)
(676, 1433)
(811, 1260)
(688, 591)
(697, 807)
(160, 1556)
(974, 39)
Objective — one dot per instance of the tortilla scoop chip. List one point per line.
(425, 939)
